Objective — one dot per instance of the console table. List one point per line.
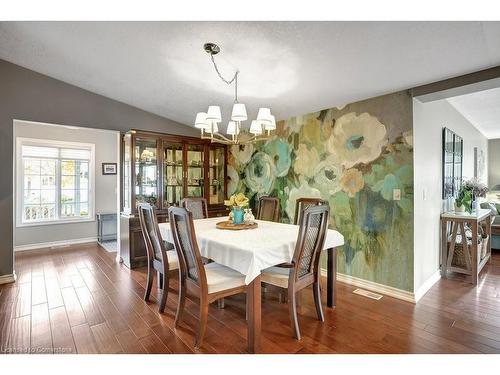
(454, 224)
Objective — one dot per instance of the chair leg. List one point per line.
(160, 280)
(149, 284)
(292, 309)
(164, 293)
(181, 301)
(220, 303)
(317, 301)
(203, 321)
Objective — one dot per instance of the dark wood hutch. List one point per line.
(161, 169)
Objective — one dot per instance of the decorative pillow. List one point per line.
(495, 208)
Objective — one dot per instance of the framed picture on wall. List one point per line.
(109, 168)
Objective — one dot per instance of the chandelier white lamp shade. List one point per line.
(213, 113)
(260, 129)
(213, 128)
(270, 125)
(233, 128)
(201, 121)
(256, 127)
(239, 112)
(264, 115)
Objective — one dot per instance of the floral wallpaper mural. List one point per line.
(353, 157)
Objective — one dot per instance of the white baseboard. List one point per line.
(5, 279)
(424, 288)
(44, 245)
(374, 287)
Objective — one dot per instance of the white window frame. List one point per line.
(20, 141)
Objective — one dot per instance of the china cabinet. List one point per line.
(162, 169)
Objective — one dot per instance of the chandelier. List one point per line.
(208, 122)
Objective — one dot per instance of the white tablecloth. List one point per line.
(249, 251)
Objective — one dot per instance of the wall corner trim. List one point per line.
(374, 287)
(6, 279)
(424, 288)
(44, 245)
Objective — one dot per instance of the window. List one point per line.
(54, 181)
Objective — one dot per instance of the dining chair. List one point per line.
(268, 209)
(302, 203)
(304, 268)
(197, 206)
(161, 255)
(209, 282)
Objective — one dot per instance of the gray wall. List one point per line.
(31, 96)
(106, 151)
(428, 122)
(494, 162)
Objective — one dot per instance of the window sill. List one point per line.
(56, 222)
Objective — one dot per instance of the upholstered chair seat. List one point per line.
(173, 260)
(276, 276)
(220, 277)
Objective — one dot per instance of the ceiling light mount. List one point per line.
(211, 48)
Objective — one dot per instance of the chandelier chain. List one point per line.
(234, 79)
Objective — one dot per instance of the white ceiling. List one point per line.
(292, 67)
(482, 109)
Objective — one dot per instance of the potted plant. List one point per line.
(477, 189)
(463, 200)
(237, 202)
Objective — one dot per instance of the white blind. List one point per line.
(75, 153)
(40, 152)
(55, 152)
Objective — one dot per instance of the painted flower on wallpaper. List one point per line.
(306, 161)
(303, 190)
(327, 180)
(280, 152)
(242, 153)
(357, 139)
(294, 124)
(352, 182)
(393, 171)
(408, 138)
(260, 173)
(234, 180)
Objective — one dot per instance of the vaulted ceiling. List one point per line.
(482, 109)
(291, 67)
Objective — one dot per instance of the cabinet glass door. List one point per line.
(146, 172)
(173, 180)
(194, 173)
(217, 176)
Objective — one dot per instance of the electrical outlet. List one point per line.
(396, 194)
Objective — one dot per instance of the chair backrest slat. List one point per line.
(302, 203)
(151, 231)
(181, 223)
(197, 206)
(269, 209)
(310, 240)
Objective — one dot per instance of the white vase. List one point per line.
(459, 209)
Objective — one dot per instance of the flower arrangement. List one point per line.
(476, 187)
(237, 200)
(469, 191)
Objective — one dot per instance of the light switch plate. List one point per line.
(396, 194)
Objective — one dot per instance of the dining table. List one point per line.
(251, 251)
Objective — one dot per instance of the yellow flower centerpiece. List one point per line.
(238, 202)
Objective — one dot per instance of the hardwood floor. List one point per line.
(79, 300)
